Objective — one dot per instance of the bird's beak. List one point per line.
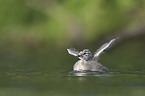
(79, 56)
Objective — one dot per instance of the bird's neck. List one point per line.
(83, 61)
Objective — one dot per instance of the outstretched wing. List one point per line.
(73, 51)
(102, 48)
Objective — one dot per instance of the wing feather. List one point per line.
(73, 51)
(103, 47)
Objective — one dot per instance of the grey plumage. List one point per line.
(85, 62)
(91, 65)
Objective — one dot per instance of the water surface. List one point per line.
(46, 74)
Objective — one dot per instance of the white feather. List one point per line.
(73, 51)
(103, 47)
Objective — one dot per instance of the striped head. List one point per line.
(85, 54)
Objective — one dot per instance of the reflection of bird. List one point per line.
(85, 62)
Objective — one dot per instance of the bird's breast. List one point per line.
(80, 65)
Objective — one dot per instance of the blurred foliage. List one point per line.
(62, 22)
(32, 33)
(31, 29)
(41, 28)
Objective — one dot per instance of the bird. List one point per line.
(87, 62)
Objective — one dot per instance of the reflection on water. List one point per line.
(59, 83)
(91, 73)
(73, 73)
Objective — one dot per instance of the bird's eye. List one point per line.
(85, 54)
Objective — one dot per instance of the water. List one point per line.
(72, 84)
(44, 75)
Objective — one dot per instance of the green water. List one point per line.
(63, 84)
(47, 74)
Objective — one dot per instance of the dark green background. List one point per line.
(34, 36)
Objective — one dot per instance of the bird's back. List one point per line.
(91, 65)
(95, 66)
